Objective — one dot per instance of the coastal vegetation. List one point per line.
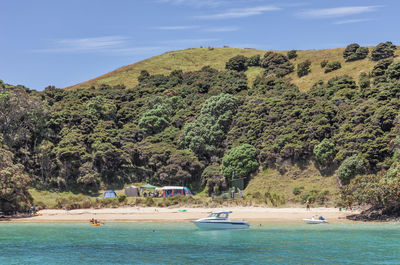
(248, 115)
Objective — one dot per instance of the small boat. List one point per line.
(95, 224)
(320, 220)
(219, 220)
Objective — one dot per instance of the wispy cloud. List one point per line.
(349, 21)
(105, 45)
(175, 27)
(221, 29)
(240, 12)
(337, 11)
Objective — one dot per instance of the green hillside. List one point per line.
(196, 58)
(330, 136)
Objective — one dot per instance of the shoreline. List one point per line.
(254, 215)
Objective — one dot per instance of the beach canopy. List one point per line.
(131, 191)
(148, 186)
(110, 194)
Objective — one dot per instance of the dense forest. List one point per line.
(203, 128)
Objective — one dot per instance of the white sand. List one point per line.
(151, 214)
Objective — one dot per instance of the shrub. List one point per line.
(237, 63)
(393, 71)
(254, 60)
(350, 50)
(383, 50)
(303, 68)
(332, 66)
(354, 52)
(381, 67)
(292, 54)
(324, 63)
(297, 190)
(363, 81)
(276, 63)
(351, 167)
(122, 198)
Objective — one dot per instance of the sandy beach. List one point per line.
(150, 214)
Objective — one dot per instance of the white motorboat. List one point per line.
(320, 220)
(219, 220)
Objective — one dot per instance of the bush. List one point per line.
(297, 190)
(254, 60)
(393, 71)
(303, 68)
(237, 63)
(383, 50)
(332, 66)
(363, 81)
(351, 167)
(122, 198)
(276, 63)
(324, 63)
(350, 50)
(354, 52)
(381, 67)
(292, 54)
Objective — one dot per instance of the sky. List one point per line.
(62, 43)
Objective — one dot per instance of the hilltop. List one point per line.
(196, 58)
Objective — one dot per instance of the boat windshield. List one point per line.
(219, 215)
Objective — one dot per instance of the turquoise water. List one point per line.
(136, 243)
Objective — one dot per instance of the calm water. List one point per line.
(135, 243)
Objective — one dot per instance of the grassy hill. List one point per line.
(196, 58)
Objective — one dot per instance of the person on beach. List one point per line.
(307, 205)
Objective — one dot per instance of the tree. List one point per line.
(350, 50)
(155, 120)
(292, 54)
(13, 182)
(237, 63)
(241, 160)
(213, 179)
(276, 63)
(324, 152)
(303, 68)
(383, 50)
(351, 167)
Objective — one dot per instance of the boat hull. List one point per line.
(221, 225)
(314, 221)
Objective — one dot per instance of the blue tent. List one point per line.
(110, 194)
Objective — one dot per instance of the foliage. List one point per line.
(351, 167)
(254, 60)
(292, 54)
(277, 64)
(383, 50)
(332, 66)
(393, 71)
(303, 68)
(324, 63)
(324, 152)
(213, 179)
(354, 52)
(240, 161)
(237, 63)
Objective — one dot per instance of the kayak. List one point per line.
(95, 224)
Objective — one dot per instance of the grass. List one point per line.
(195, 58)
(307, 180)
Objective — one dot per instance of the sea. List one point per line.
(183, 243)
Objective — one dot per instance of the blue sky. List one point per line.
(62, 43)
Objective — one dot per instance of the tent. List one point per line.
(110, 194)
(131, 191)
(148, 186)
